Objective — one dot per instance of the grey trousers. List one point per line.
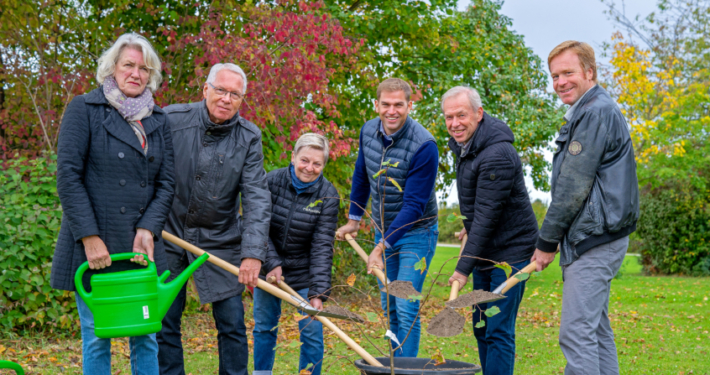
(586, 338)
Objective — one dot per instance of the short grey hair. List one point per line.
(312, 140)
(229, 66)
(473, 98)
(107, 61)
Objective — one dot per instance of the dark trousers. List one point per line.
(496, 340)
(231, 337)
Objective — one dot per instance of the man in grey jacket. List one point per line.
(594, 208)
(219, 164)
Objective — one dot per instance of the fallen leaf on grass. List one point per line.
(351, 279)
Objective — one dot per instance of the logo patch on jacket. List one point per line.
(312, 205)
(575, 148)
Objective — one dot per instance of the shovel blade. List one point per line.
(447, 323)
(476, 297)
(401, 289)
(312, 311)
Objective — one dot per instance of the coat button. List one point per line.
(205, 144)
(142, 210)
(197, 177)
(142, 183)
(108, 109)
(121, 155)
(150, 159)
(123, 210)
(122, 182)
(191, 212)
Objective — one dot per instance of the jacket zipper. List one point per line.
(288, 221)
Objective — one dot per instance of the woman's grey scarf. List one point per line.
(133, 110)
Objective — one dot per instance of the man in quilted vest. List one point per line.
(404, 208)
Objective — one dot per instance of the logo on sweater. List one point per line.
(575, 148)
(312, 205)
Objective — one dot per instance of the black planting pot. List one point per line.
(417, 366)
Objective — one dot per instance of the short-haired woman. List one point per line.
(303, 221)
(115, 182)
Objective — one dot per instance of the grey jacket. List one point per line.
(217, 168)
(595, 194)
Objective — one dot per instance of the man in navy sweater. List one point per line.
(403, 202)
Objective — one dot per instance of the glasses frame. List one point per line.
(234, 96)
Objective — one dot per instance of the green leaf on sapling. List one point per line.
(492, 311)
(506, 268)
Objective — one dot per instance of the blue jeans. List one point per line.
(267, 311)
(413, 246)
(231, 337)
(97, 352)
(496, 341)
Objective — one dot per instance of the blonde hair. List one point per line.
(584, 51)
(312, 140)
(394, 84)
(107, 61)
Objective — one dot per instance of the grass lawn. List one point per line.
(661, 326)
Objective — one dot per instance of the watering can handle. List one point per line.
(12, 366)
(85, 266)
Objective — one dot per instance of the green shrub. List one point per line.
(30, 215)
(674, 231)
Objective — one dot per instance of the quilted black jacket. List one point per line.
(107, 186)
(301, 233)
(500, 221)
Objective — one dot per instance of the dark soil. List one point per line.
(401, 289)
(447, 323)
(474, 298)
(341, 311)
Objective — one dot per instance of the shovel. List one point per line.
(328, 311)
(397, 288)
(478, 297)
(448, 322)
(263, 285)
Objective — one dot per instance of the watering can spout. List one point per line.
(168, 291)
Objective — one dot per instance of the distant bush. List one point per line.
(540, 209)
(674, 231)
(30, 215)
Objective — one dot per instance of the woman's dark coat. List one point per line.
(301, 233)
(107, 186)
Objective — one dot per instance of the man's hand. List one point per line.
(461, 279)
(249, 271)
(375, 258)
(543, 259)
(143, 243)
(96, 252)
(462, 234)
(317, 303)
(350, 228)
(276, 273)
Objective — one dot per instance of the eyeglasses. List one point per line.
(222, 92)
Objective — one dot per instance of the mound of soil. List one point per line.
(474, 298)
(341, 311)
(447, 323)
(401, 289)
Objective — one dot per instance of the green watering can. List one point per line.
(134, 302)
(12, 366)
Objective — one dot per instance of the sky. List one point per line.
(546, 23)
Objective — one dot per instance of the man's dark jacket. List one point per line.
(301, 233)
(500, 221)
(108, 186)
(217, 167)
(595, 195)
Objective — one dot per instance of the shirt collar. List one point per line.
(573, 107)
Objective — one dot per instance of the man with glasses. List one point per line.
(219, 164)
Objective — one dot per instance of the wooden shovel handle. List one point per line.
(513, 281)
(263, 285)
(364, 257)
(455, 286)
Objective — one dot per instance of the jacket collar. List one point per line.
(586, 97)
(96, 96)
(311, 189)
(490, 131)
(399, 133)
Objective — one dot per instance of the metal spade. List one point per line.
(397, 288)
(448, 322)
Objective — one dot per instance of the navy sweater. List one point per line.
(420, 182)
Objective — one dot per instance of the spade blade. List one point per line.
(474, 298)
(401, 289)
(447, 323)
